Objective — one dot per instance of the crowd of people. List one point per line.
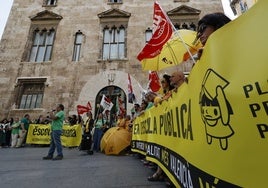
(170, 83)
(13, 132)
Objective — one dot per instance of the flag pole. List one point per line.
(177, 34)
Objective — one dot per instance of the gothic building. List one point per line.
(72, 52)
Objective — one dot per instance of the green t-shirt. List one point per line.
(15, 127)
(58, 123)
(26, 123)
(99, 123)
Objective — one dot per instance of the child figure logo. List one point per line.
(215, 109)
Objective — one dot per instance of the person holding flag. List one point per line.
(98, 132)
(131, 96)
(106, 103)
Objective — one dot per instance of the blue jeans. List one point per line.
(55, 143)
(97, 139)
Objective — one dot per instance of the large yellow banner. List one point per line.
(214, 131)
(40, 134)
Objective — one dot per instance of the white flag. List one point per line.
(106, 103)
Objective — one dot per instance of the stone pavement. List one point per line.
(24, 167)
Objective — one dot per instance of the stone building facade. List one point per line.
(72, 52)
(241, 6)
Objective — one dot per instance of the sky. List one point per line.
(6, 6)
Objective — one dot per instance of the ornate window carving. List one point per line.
(114, 23)
(113, 43)
(39, 46)
(184, 17)
(42, 45)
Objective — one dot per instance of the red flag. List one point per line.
(162, 33)
(82, 109)
(131, 96)
(154, 83)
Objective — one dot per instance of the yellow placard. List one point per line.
(40, 134)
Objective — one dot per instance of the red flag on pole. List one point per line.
(154, 83)
(82, 109)
(131, 96)
(162, 33)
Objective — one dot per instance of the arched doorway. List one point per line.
(118, 98)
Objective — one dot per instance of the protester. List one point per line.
(72, 120)
(121, 121)
(8, 131)
(89, 123)
(86, 142)
(98, 132)
(129, 123)
(207, 25)
(167, 89)
(41, 120)
(56, 130)
(176, 80)
(3, 133)
(15, 132)
(135, 110)
(152, 98)
(25, 122)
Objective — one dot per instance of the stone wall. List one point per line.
(68, 82)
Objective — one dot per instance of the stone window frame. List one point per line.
(50, 3)
(47, 44)
(184, 17)
(30, 92)
(148, 34)
(113, 18)
(116, 28)
(77, 46)
(45, 20)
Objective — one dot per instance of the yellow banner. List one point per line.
(40, 134)
(214, 131)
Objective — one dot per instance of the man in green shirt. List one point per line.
(56, 130)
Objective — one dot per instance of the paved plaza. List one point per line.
(24, 167)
